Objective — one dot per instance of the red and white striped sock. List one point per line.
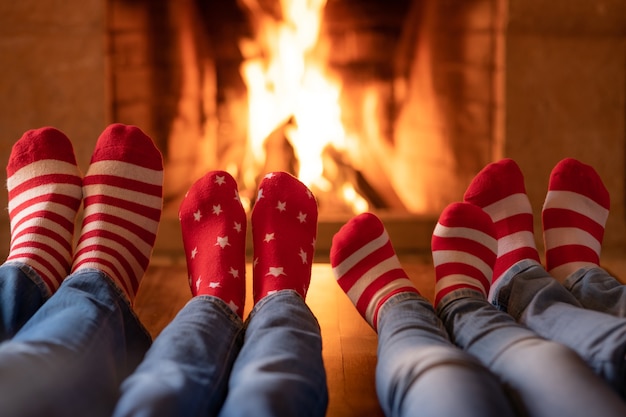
(45, 193)
(366, 266)
(574, 216)
(213, 224)
(464, 249)
(499, 190)
(284, 228)
(122, 206)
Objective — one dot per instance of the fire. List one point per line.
(287, 78)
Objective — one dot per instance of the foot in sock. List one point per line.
(464, 247)
(213, 224)
(284, 228)
(366, 266)
(44, 186)
(574, 216)
(123, 198)
(499, 190)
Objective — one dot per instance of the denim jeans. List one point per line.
(420, 372)
(542, 377)
(532, 297)
(208, 362)
(69, 358)
(597, 290)
(22, 292)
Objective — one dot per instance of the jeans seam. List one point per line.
(33, 276)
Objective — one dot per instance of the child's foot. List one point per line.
(284, 228)
(574, 216)
(45, 193)
(366, 266)
(213, 225)
(123, 192)
(464, 249)
(499, 190)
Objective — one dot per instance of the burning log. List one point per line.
(279, 153)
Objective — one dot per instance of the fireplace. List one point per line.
(429, 91)
(407, 95)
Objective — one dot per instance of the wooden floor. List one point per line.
(349, 343)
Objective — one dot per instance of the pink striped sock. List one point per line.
(499, 190)
(366, 266)
(213, 225)
(284, 228)
(574, 216)
(44, 186)
(464, 250)
(122, 206)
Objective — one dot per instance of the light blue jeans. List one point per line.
(532, 297)
(208, 362)
(421, 373)
(65, 356)
(542, 377)
(597, 290)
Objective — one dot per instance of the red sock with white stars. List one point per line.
(464, 249)
(213, 224)
(45, 193)
(574, 216)
(123, 197)
(284, 228)
(366, 266)
(499, 190)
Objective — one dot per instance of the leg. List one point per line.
(22, 292)
(73, 353)
(416, 360)
(597, 290)
(81, 343)
(280, 370)
(546, 378)
(44, 187)
(186, 370)
(534, 298)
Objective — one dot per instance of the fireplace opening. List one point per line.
(383, 106)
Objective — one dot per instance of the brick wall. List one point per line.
(52, 74)
(450, 95)
(565, 95)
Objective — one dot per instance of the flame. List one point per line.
(286, 76)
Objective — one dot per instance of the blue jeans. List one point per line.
(22, 292)
(597, 290)
(532, 297)
(71, 355)
(420, 372)
(208, 362)
(542, 377)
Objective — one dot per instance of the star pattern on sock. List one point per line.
(284, 221)
(215, 244)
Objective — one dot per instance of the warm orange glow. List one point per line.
(286, 76)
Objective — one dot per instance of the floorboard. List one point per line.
(349, 344)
